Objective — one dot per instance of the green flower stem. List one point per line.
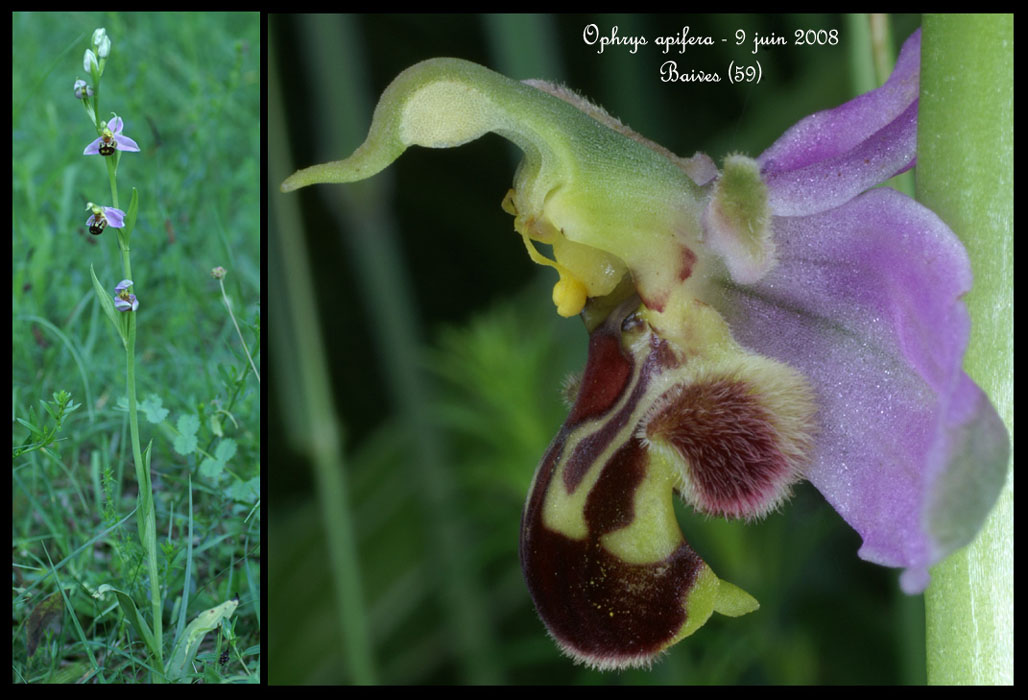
(146, 514)
(112, 174)
(965, 174)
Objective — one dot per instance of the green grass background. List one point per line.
(188, 87)
(443, 359)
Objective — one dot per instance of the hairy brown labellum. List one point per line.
(610, 573)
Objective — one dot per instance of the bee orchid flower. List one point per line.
(777, 319)
(102, 217)
(110, 140)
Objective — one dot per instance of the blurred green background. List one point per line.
(188, 87)
(437, 386)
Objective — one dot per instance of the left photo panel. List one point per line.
(136, 355)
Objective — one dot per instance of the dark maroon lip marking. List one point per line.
(604, 378)
(595, 605)
(598, 607)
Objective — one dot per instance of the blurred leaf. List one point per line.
(185, 441)
(245, 491)
(48, 614)
(225, 450)
(153, 408)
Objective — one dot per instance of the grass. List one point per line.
(188, 89)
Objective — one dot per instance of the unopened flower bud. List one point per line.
(89, 62)
(218, 272)
(104, 47)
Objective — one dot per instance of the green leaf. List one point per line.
(211, 469)
(226, 450)
(145, 512)
(154, 409)
(245, 491)
(187, 644)
(185, 442)
(188, 424)
(107, 304)
(128, 609)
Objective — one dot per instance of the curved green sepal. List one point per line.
(606, 200)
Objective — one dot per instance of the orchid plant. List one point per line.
(776, 319)
(121, 309)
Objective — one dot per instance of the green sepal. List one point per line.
(606, 200)
(107, 304)
(188, 642)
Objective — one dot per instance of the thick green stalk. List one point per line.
(112, 174)
(147, 514)
(965, 174)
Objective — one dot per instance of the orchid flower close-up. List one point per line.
(110, 140)
(752, 324)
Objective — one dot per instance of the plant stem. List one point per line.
(146, 513)
(238, 332)
(148, 532)
(965, 175)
